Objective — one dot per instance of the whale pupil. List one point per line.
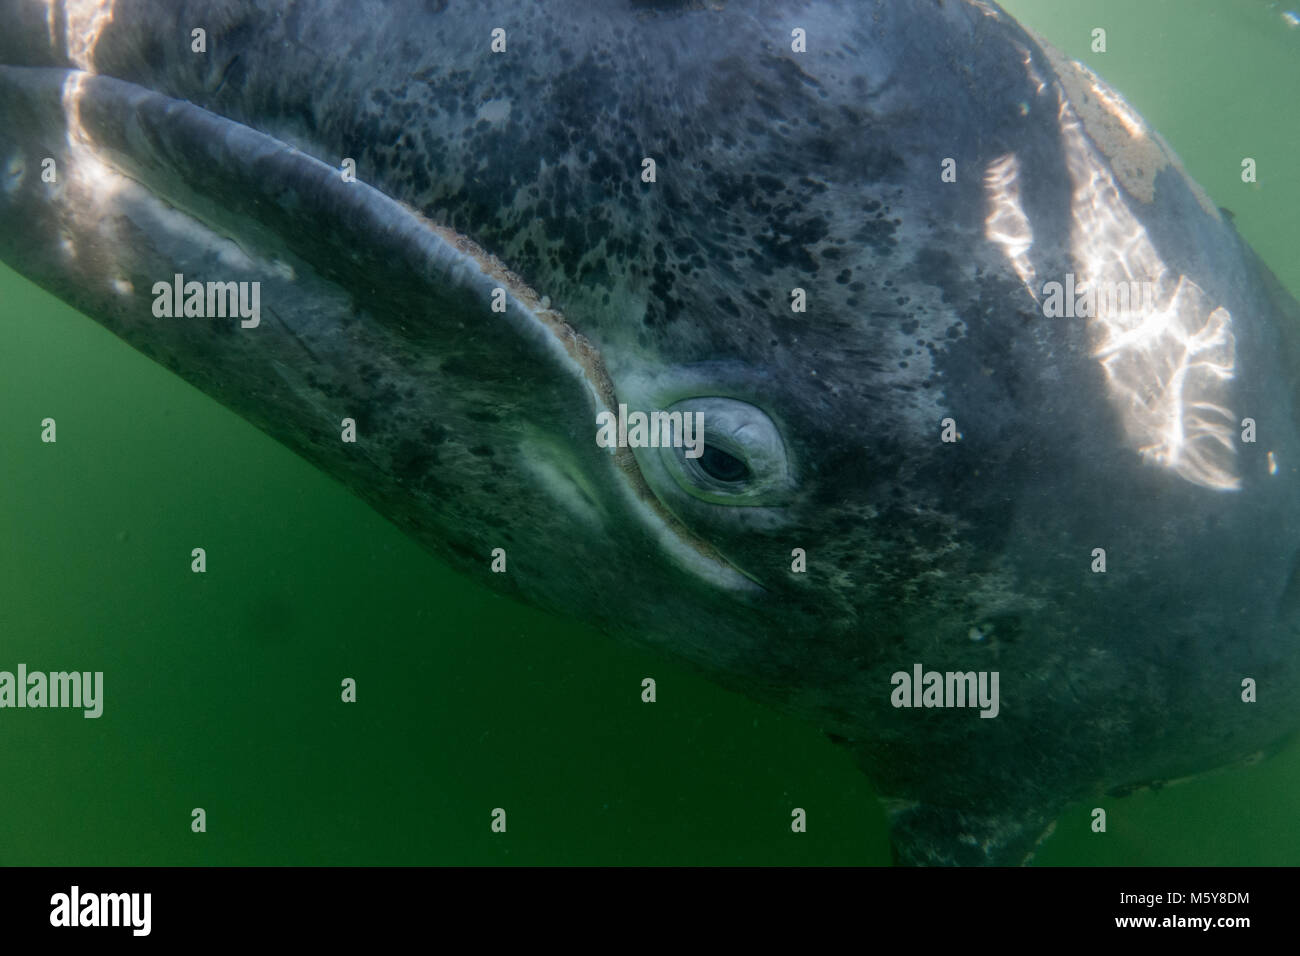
(719, 465)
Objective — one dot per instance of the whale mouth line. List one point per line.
(107, 171)
(695, 552)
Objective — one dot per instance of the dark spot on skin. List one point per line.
(411, 461)
(878, 234)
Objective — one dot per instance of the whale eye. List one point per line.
(721, 466)
(733, 454)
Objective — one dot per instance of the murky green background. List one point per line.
(222, 690)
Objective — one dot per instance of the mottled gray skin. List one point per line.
(775, 171)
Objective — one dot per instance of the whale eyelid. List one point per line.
(739, 430)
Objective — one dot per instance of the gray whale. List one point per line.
(518, 179)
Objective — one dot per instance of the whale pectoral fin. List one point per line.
(113, 196)
(927, 835)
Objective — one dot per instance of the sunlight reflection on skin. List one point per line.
(86, 20)
(1007, 224)
(1167, 368)
(1167, 359)
(92, 181)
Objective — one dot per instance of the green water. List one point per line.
(222, 689)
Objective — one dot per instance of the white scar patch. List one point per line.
(1136, 152)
